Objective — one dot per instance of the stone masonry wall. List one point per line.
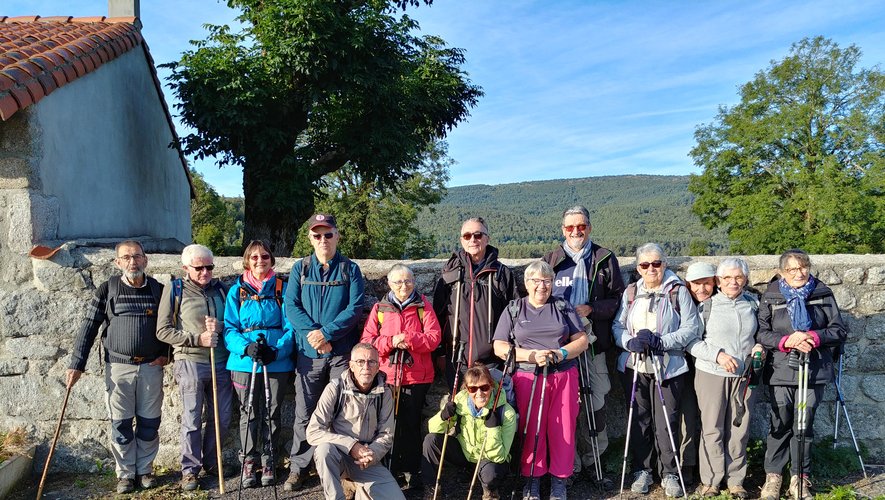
(40, 316)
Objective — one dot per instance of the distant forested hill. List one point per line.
(626, 211)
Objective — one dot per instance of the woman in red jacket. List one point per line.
(405, 331)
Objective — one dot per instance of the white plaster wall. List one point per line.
(105, 156)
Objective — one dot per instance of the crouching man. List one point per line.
(352, 429)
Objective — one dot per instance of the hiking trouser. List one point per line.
(782, 445)
(489, 472)
(194, 381)
(689, 440)
(334, 462)
(723, 455)
(600, 385)
(253, 427)
(407, 437)
(311, 376)
(134, 403)
(648, 432)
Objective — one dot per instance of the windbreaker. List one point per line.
(731, 329)
(245, 320)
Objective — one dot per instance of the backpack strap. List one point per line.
(175, 300)
(345, 273)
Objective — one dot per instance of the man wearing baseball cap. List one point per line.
(324, 302)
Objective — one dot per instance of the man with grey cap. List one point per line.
(323, 302)
(701, 281)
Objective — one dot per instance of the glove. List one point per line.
(448, 411)
(253, 350)
(655, 344)
(492, 420)
(636, 344)
(268, 355)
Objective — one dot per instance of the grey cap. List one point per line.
(700, 270)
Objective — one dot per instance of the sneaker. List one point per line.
(738, 491)
(189, 482)
(707, 490)
(670, 483)
(532, 489)
(125, 485)
(147, 481)
(294, 482)
(250, 478)
(557, 488)
(806, 488)
(487, 493)
(771, 490)
(641, 482)
(267, 477)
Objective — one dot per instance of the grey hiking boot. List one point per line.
(557, 488)
(294, 482)
(125, 485)
(771, 490)
(806, 488)
(670, 483)
(642, 481)
(147, 481)
(189, 482)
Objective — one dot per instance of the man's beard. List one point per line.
(134, 275)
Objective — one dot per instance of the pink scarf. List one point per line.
(250, 278)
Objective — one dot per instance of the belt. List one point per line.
(261, 327)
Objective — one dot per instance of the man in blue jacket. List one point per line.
(324, 302)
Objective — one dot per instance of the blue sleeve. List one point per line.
(345, 321)
(293, 307)
(682, 337)
(286, 343)
(234, 339)
(619, 326)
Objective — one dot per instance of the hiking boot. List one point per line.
(125, 485)
(147, 481)
(557, 488)
(267, 477)
(532, 489)
(670, 483)
(294, 482)
(771, 490)
(642, 481)
(806, 488)
(250, 478)
(189, 482)
(707, 490)
(738, 491)
(487, 493)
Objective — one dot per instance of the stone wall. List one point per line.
(40, 315)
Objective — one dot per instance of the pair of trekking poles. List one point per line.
(262, 342)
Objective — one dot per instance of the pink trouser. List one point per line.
(558, 419)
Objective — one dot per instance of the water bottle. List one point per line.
(757, 370)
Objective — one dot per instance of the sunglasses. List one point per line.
(655, 264)
(264, 256)
(476, 236)
(200, 269)
(319, 236)
(580, 227)
(473, 388)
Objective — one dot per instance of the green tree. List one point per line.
(212, 221)
(380, 223)
(799, 161)
(309, 86)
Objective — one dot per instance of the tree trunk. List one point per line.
(277, 202)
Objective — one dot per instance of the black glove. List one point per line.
(655, 345)
(268, 355)
(492, 420)
(253, 350)
(448, 411)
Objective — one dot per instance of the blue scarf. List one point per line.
(402, 305)
(580, 284)
(796, 298)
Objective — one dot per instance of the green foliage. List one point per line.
(840, 463)
(213, 219)
(308, 87)
(626, 211)
(799, 162)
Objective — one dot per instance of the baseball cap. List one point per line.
(317, 220)
(700, 270)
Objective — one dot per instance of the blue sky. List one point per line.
(573, 88)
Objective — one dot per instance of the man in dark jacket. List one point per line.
(588, 276)
(472, 292)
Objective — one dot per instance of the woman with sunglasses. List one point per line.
(546, 335)
(257, 334)
(484, 429)
(656, 322)
(404, 330)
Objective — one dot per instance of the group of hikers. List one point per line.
(528, 374)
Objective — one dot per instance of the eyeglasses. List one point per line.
(319, 236)
(736, 279)
(476, 235)
(580, 227)
(200, 269)
(130, 258)
(473, 388)
(792, 271)
(371, 363)
(539, 281)
(264, 256)
(402, 282)
(655, 264)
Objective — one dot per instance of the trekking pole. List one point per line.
(396, 360)
(217, 421)
(587, 399)
(269, 442)
(801, 422)
(538, 426)
(248, 417)
(658, 381)
(442, 456)
(629, 419)
(840, 400)
(511, 355)
(61, 417)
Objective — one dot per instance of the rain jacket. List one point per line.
(245, 320)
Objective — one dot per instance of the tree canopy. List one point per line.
(214, 220)
(799, 161)
(309, 86)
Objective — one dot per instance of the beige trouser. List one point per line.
(134, 403)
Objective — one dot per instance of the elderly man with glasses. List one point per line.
(324, 302)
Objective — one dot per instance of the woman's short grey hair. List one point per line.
(651, 248)
(537, 268)
(195, 251)
(733, 263)
(577, 210)
(399, 268)
(800, 255)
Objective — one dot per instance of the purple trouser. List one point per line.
(195, 385)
